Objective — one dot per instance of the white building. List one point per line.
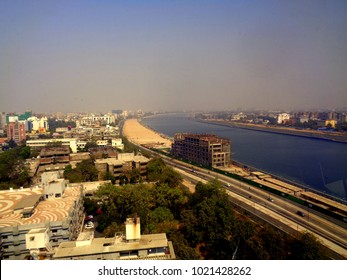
(92, 119)
(117, 143)
(37, 124)
(71, 142)
(282, 117)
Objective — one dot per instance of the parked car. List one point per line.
(89, 218)
(300, 213)
(89, 225)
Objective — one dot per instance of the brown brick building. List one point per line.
(206, 149)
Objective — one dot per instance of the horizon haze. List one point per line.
(73, 56)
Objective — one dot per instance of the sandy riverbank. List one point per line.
(142, 135)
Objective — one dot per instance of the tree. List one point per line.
(172, 198)
(85, 171)
(155, 168)
(210, 221)
(170, 177)
(12, 144)
(108, 176)
(135, 176)
(157, 171)
(13, 170)
(25, 152)
(128, 146)
(90, 145)
(307, 247)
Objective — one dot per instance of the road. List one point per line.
(280, 212)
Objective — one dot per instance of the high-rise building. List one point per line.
(2, 120)
(16, 131)
(206, 149)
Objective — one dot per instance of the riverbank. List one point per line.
(141, 135)
(322, 135)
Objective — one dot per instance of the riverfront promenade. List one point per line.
(141, 135)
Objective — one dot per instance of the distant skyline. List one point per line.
(74, 56)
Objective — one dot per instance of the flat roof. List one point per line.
(110, 245)
(55, 151)
(30, 201)
(51, 210)
(113, 161)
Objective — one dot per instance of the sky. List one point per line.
(95, 56)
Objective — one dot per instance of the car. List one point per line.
(227, 185)
(300, 213)
(89, 225)
(270, 199)
(89, 218)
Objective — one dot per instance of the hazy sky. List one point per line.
(99, 55)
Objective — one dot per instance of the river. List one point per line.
(316, 164)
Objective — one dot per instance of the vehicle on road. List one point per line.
(270, 199)
(300, 213)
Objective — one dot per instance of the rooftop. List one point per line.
(46, 211)
(110, 245)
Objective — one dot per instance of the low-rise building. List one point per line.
(123, 163)
(54, 155)
(40, 143)
(129, 246)
(54, 209)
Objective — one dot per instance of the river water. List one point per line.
(317, 164)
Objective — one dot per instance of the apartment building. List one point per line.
(73, 143)
(123, 163)
(53, 210)
(205, 149)
(16, 131)
(54, 155)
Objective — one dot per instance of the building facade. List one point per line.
(130, 245)
(205, 149)
(123, 163)
(53, 210)
(40, 143)
(16, 131)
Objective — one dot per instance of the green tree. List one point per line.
(170, 177)
(135, 176)
(89, 145)
(128, 146)
(85, 171)
(155, 168)
(172, 198)
(210, 221)
(307, 247)
(13, 170)
(108, 176)
(25, 152)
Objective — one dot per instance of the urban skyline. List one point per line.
(157, 55)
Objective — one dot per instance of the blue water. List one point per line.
(317, 164)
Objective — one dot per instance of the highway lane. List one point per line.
(313, 222)
(280, 212)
